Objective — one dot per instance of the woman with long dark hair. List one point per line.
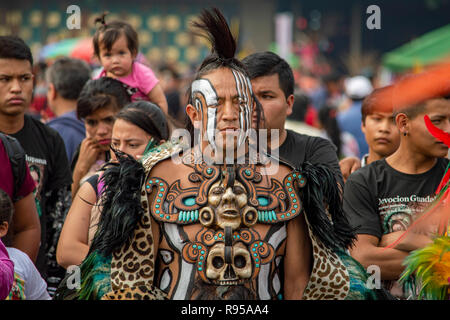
(139, 127)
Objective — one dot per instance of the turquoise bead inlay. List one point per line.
(263, 201)
(190, 201)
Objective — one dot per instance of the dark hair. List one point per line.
(147, 116)
(213, 26)
(68, 75)
(327, 117)
(99, 93)
(12, 47)
(268, 63)
(6, 207)
(111, 31)
(300, 107)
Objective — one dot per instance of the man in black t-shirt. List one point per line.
(383, 198)
(273, 85)
(44, 148)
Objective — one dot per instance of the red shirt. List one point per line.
(7, 178)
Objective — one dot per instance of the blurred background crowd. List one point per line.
(336, 56)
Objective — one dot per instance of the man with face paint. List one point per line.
(220, 225)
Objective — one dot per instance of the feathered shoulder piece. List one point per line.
(160, 153)
(121, 199)
(322, 201)
(431, 267)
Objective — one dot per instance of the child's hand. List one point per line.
(89, 152)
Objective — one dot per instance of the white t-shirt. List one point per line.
(35, 286)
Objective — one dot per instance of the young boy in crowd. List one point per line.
(382, 199)
(378, 126)
(28, 283)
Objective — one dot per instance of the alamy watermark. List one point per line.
(74, 278)
(374, 280)
(374, 20)
(74, 20)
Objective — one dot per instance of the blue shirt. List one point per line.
(350, 120)
(71, 129)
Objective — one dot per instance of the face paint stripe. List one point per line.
(247, 100)
(250, 104)
(204, 87)
(239, 89)
(246, 123)
(211, 126)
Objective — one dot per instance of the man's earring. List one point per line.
(405, 133)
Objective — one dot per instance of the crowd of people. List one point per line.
(102, 184)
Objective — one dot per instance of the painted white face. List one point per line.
(224, 99)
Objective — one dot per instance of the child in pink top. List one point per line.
(6, 272)
(116, 46)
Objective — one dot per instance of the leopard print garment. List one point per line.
(136, 293)
(329, 277)
(133, 265)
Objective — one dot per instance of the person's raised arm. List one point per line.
(157, 96)
(89, 151)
